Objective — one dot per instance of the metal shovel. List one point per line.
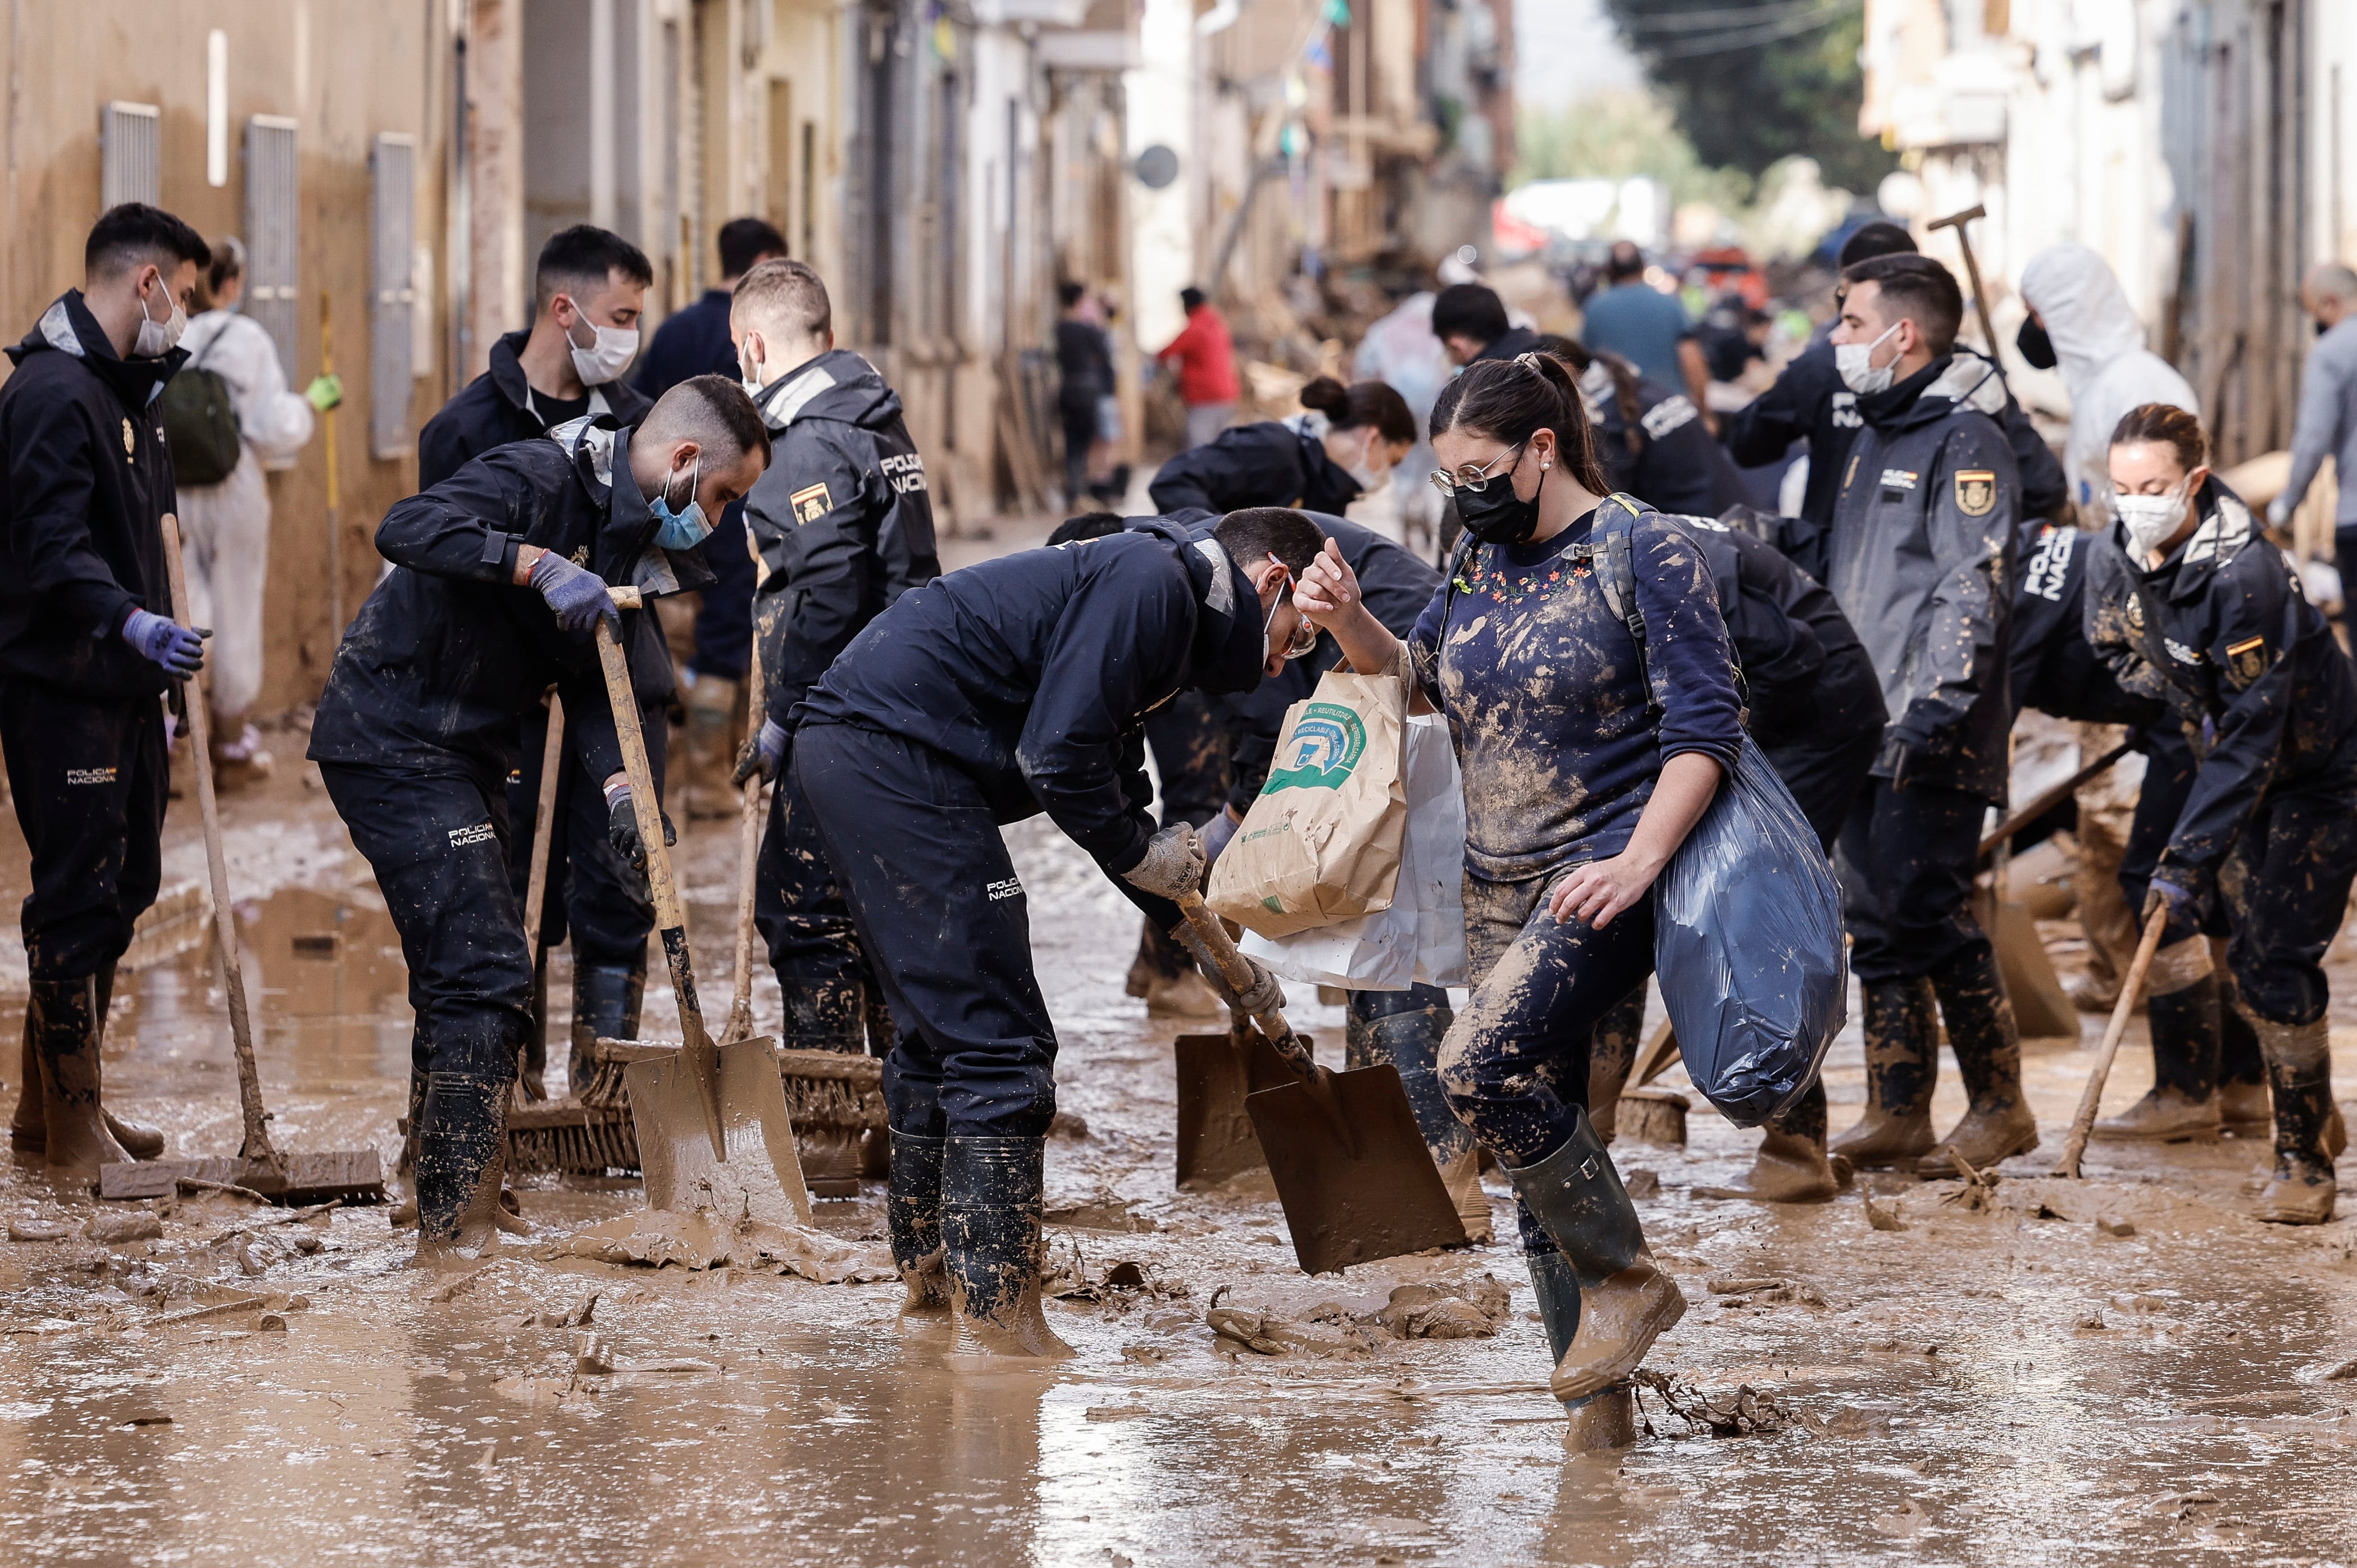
(1351, 1169)
(711, 1120)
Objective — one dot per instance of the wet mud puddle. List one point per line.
(2123, 1367)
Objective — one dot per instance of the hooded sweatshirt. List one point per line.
(843, 517)
(2099, 347)
(88, 480)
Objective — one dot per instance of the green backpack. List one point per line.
(200, 422)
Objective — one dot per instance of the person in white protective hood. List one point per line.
(225, 525)
(2081, 322)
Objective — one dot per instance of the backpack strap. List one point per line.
(1611, 549)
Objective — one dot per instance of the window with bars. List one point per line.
(130, 154)
(392, 171)
(272, 201)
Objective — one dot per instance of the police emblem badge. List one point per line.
(1975, 491)
(811, 504)
(2247, 660)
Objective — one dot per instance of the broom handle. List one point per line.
(257, 1145)
(544, 825)
(2083, 1125)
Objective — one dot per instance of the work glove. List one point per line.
(623, 828)
(764, 754)
(1265, 992)
(326, 391)
(578, 596)
(1173, 863)
(2278, 512)
(178, 649)
(2171, 892)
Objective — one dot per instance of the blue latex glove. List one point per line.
(578, 595)
(1218, 831)
(2182, 903)
(764, 754)
(168, 643)
(623, 828)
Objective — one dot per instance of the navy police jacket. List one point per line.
(2221, 631)
(1034, 672)
(88, 479)
(843, 517)
(1806, 679)
(1272, 462)
(448, 653)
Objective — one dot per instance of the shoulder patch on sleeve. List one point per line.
(2247, 659)
(1975, 491)
(810, 503)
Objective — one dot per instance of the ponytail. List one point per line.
(1510, 401)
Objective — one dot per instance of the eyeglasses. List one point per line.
(1448, 484)
(1304, 642)
(1305, 635)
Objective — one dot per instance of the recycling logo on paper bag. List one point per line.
(1325, 745)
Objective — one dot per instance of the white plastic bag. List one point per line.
(1420, 940)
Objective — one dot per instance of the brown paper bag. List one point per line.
(1322, 843)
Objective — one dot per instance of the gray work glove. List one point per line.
(578, 595)
(1173, 865)
(1265, 994)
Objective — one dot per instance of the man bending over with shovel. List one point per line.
(500, 579)
(981, 698)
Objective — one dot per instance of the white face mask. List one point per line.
(610, 351)
(1371, 478)
(752, 369)
(157, 338)
(1858, 370)
(2148, 521)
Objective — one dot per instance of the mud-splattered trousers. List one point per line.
(1905, 858)
(938, 910)
(592, 895)
(798, 903)
(2286, 889)
(438, 844)
(1515, 1061)
(90, 780)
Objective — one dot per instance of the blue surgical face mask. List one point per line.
(682, 530)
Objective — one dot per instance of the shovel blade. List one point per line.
(1215, 1134)
(760, 1178)
(1374, 1195)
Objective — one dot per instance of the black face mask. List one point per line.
(1494, 514)
(2322, 328)
(2035, 345)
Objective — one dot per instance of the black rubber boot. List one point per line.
(1555, 1285)
(1902, 1042)
(1997, 1124)
(1612, 1056)
(28, 1130)
(75, 1139)
(1625, 1300)
(827, 1015)
(531, 1070)
(2182, 1104)
(1792, 1165)
(461, 1156)
(2299, 1076)
(992, 1200)
(606, 998)
(912, 1211)
(1405, 1028)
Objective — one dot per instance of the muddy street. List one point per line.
(2123, 1367)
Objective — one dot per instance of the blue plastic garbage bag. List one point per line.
(1747, 944)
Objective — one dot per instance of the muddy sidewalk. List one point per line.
(2123, 1367)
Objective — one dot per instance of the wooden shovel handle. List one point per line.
(1239, 976)
(748, 833)
(544, 825)
(257, 1145)
(2083, 1125)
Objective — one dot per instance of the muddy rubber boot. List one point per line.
(2299, 1073)
(2244, 1109)
(606, 998)
(531, 1067)
(1793, 1164)
(1612, 1056)
(461, 1156)
(913, 1212)
(711, 759)
(2182, 1104)
(1626, 1302)
(827, 1015)
(1408, 1036)
(75, 1140)
(1902, 1042)
(991, 1207)
(1997, 1124)
(139, 1141)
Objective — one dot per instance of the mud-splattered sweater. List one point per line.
(1545, 692)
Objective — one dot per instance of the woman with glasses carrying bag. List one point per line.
(1588, 756)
